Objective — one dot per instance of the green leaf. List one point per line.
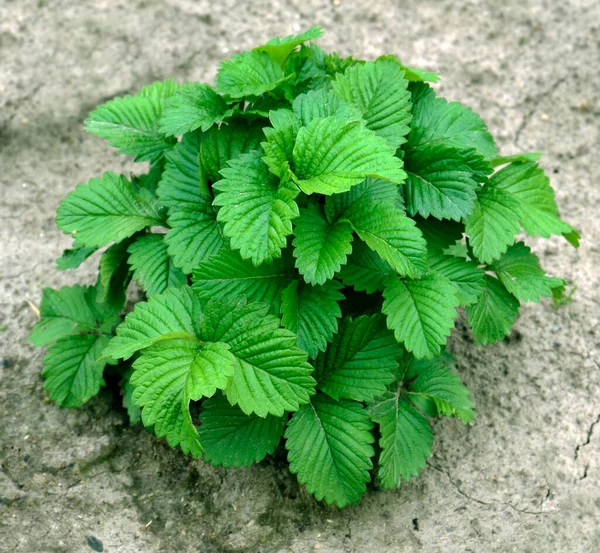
(520, 272)
(442, 181)
(332, 155)
(73, 369)
(271, 373)
(529, 186)
(361, 360)
(248, 74)
(280, 48)
(104, 210)
(228, 142)
(466, 276)
(280, 142)
(312, 312)
(365, 270)
(114, 275)
(63, 313)
(378, 90)
(233, 439)
(439, 235)
(193, 106)
(133, 411)
(227, 275)
(392, 235)
(496, 310)
(320, 248)
(256, 209)
(450, 123)
(170, 314)
(131, 123)
(421, 312)
(443, 386)
(406, 438)
(322, 103)
(328, 445)
(412, 74)
(526, 156)
(73, 258)
(493, 224)
(152, 266)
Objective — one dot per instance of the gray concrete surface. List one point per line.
(524, 477)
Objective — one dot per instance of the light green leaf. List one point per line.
(280, 48)
(131, 123)
(193, 106)
(256, 209)
(248, 74)
(226, 275)
(329, 448)
(526, 156)
(73, 258)
(312, 312)
(520, 272)
(280, 141)
(421, 312)
(322, 103)
(493, 224)
(332, 155)
(361, 360)
(406, 438)
(450, 123)
(442, 181)
(152, 266)
(496, 310)
(443, 386)
(378, 90)
(466, 276)
(530, 187)
(73, 368)
(393, 236)
(170, 314)
(365, 270)
(233, 439)
(104, 210)
(320, 248)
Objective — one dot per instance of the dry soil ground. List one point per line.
(525, 477)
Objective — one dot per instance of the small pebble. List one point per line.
(95, 544)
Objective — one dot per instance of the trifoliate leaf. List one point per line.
(62, 313)
(443, 386)
(530, 187)
(193, 106)
(271, 373)
(233, 439)
(466, 276)
(152, 266)
(439, 235)
(520, 272)
(360, 361)
(332, 155)
(173, 313)
(378, 90)
(496, 310)
(256, 209)
(493, 224)
(322, 103)
(226, 275)
(450, 123)
(104, 210)
(365, 270)
(320, 248)
(421, 312)
(248, 74)
(131, 123)
(442, 181)
(73, 368)
(329, 448)
(73, 258)
(406, 438)
(226, 143)
(312, 312)
(280, 48)
(393, 236)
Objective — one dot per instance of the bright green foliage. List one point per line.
(306, 233)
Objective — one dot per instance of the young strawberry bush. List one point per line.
(305, 234)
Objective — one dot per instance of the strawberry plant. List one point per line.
(305, 234)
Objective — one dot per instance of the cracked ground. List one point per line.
(524, 477)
